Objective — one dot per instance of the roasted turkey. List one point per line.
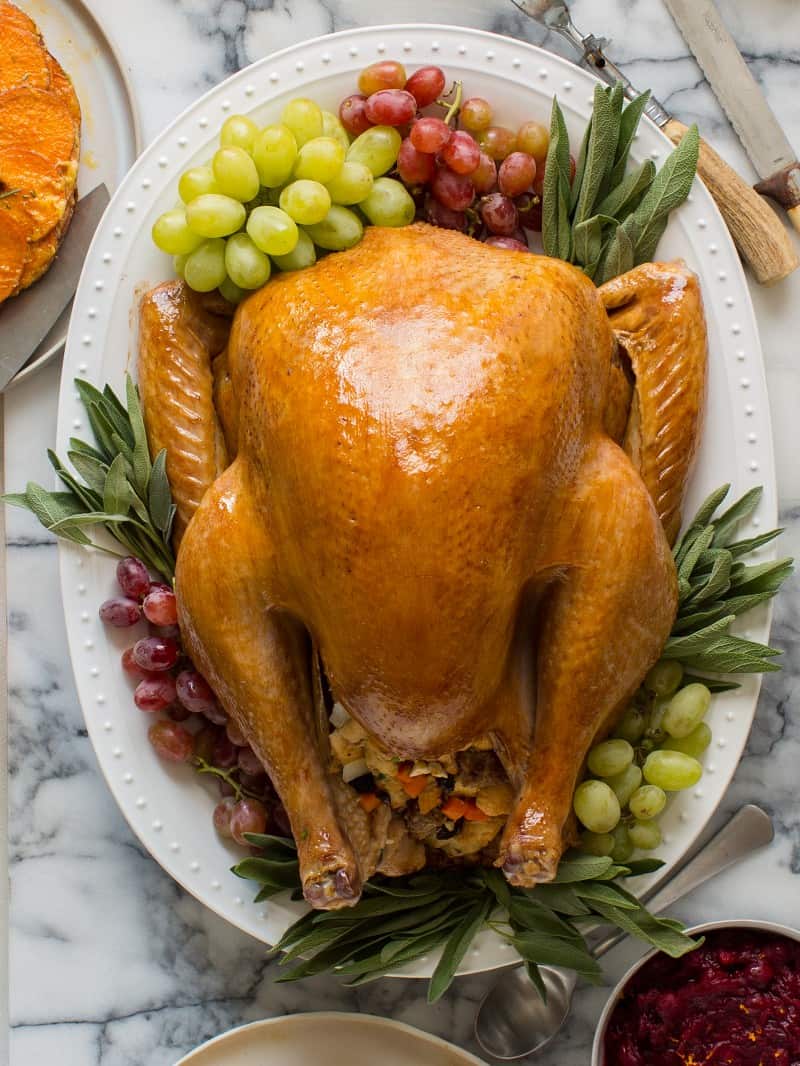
(448, 473)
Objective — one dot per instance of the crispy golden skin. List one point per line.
(426, 490)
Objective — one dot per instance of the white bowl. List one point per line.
(706, 927)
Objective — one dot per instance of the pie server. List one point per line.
(26, 319)
(756, 229)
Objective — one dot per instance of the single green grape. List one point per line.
(171, 233)
(694, 744)
(610, 757)
(305, 201)
(625, 783)
(204, 269)
(664, 678)
(631, 726)
(246, 264)
(214, 215)
(671, 770)
(388, 204)
(179, 264)
(304, 118)
(302, 255)
(686, 709)
(644, 835)
(596, 806)
(197, 181)
(596, 843)
(654, 730)
(647, 802)
(332, 127)
(232, 293)
(623, 848)
(274, 153)
(272, 230)
(238, 131)
(351, 185)
(377, 148)
(236, 173)
(339, 229)
(320, 159)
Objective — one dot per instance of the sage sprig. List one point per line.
(610, 220)
(401, 919)
(115, 485)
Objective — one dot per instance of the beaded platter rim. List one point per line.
(166, 807)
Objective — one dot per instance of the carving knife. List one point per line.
(758, 232)
(26, 319)
(742, 100)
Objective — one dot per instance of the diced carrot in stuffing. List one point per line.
(473, 813)
(429, 799)
(369, 801)
(454, 808)
(412, 786)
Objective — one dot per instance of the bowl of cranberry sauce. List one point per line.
(734, 1001)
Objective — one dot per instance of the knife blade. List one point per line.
(742, 100)
(26, 319)
(758, 232)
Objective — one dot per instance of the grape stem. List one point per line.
(239, 790)
(454, 107)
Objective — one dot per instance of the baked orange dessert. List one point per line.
(40, 125)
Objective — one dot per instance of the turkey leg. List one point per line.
(602, 627)
(257, 660)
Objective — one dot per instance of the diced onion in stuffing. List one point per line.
(354, 770)
(339, 716)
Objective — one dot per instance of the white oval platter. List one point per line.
(330, 1037)
(167, 807)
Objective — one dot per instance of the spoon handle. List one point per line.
(747, 831)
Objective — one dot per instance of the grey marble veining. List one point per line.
(112, 964)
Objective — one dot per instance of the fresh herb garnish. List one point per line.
(121, 489)
(610, 221)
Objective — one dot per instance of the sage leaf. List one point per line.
(742, 547)
(694, 643)
(625, 195)
(117, 492)
(577, 867)
(718, 581)
(617, 258)
(556, 229)
(548, 951)
(628, 125)
(588, 242)
(456, 948)
(726, 524)
(50, 507)
(645, 249)
(92, 470)
(603, 135)
(159, 496)
(656, 931)
(711, 683)
(730, 654)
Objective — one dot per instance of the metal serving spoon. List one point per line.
(513, 1021)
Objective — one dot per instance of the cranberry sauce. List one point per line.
(735, 1001)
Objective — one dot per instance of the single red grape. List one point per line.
(194, 692)
(439, 215)
(352, 114)
(132, 668)
(413, 166)
(430, 135)
(461, 153)
(248, 816)
(222, 817)
(484, 177)
(178, 713)
(132, 577)
(155, 694)
(386, 74)
(453, 190)
(529, 209)
(155, 653)
(120, 612)
(390, 107)
(204, 742)
(249, 762)
(515, 175)
(224, 753)
(171, 741)
(499, 214)
(161, 607)
(533, 138)
(476, 114)
(173, 632)
(511, 243)
(426, 85)
(498, 142)
(225, 787)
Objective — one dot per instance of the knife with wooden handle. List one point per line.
(756, 229)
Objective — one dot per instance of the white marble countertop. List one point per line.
(112, 964)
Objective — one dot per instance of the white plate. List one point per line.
(110, 134)
(168, 808)
(329, 1037)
